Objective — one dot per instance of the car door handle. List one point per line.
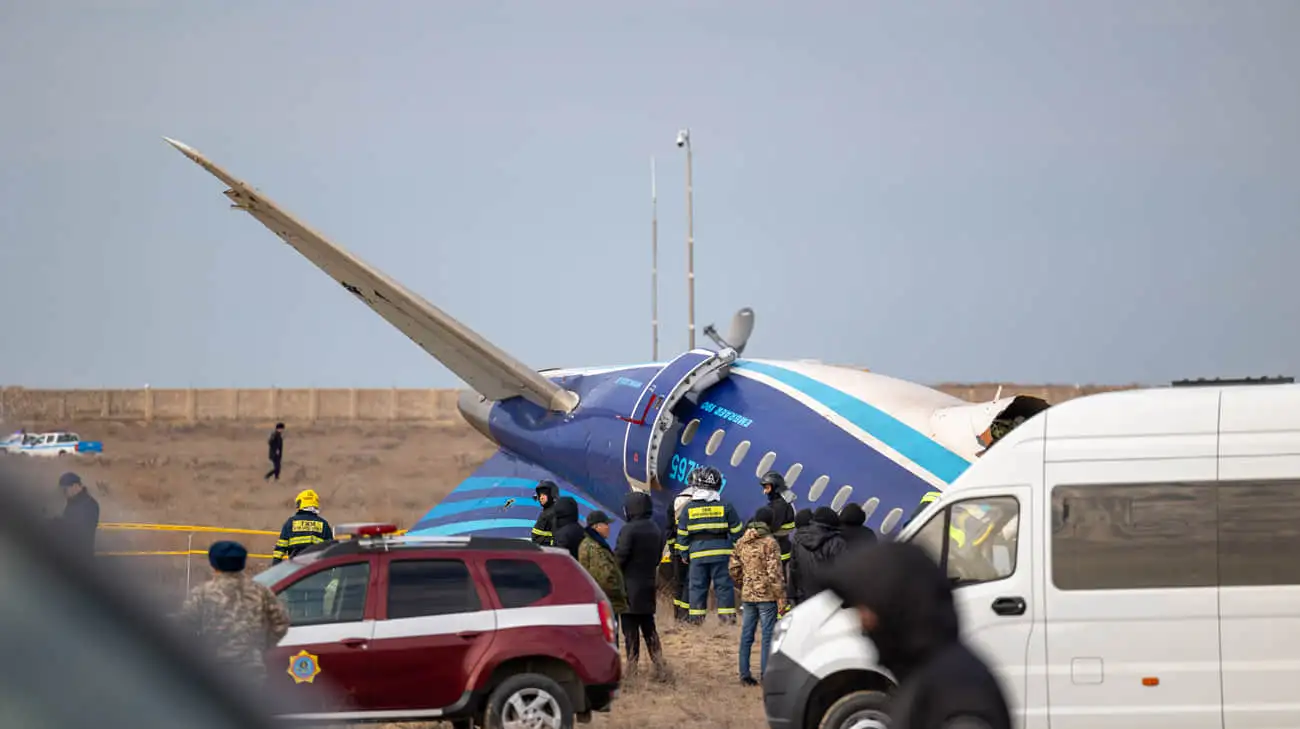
(354, 642)
(1009, 606)
(468, 634)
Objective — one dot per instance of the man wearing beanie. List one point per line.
(853, 525)
(814, 546)
(237, 618)
(755, 568)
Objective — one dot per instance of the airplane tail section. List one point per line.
(497, 500)
(484, 367)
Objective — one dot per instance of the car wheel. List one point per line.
(857, 710)
(529, 701)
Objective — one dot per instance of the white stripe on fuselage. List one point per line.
(843, 424)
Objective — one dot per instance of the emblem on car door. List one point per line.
(303, 667)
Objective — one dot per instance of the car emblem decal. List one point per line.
(303, 667)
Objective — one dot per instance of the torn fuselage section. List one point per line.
(970, 429)
(1020, 409)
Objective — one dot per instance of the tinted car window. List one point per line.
(419, 587)
(1134, 536)
(333, 595)
(518, 582)
(1259, 523)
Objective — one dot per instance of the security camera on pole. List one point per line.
(684, 140)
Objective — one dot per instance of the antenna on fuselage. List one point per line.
(654, 265)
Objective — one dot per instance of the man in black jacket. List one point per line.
(813, 548)
(568, 531)
(853, 525)
(80, 519)
(275, 451)
(546, 493)
(905, 605)
(640, 544)
(778, 500)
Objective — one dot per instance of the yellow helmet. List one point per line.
(307, 499)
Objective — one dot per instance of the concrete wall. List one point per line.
(20, 405)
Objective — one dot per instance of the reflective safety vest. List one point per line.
(299, 532)
(708, 529)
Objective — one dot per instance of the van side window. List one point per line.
(1258, 523)
(1130, 536)
(980, 536)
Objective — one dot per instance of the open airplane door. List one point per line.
(653, 428)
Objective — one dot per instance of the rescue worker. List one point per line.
(237, 618)
(598, 559)
(568, 531)
(77, 525)
(639, 545)
(305, 528)
(815, 546)
(904, 602)
(925, 501)
(853, 525)
(546, 493)
(275, 451)
(778, 500)
(681, 565)
(759, 576)
(709, 527)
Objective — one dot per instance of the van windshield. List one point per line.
(981, 539)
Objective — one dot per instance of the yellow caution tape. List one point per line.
(180, 553)
(128, 526)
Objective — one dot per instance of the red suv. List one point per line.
(473, 630)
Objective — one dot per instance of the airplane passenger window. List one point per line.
(818, 487)
(715, 442)
(869, 507)
(688, 434)
(739, 455)
(891, 520)
(792, 474)
(841, 497)
(765, 465)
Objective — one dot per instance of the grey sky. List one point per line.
(1072, 192)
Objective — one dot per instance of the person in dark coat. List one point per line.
(568, 531)
(853, 525)
(640, 545)
(812, 549)
(905, 605)
(546, 494)
(275, 451)
(802, 518)
(778, 500)
(80, 519)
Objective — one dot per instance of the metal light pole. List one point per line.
(684, 140)
(654, 264)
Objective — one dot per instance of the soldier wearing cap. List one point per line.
(80, 519)
(237, 618)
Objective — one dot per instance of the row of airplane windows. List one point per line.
(791, 475)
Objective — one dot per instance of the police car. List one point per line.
(59, 443)
(399, 628)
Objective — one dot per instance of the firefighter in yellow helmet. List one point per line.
(305, 528)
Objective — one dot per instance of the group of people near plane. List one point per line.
(773, 560)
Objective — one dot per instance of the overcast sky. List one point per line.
(1066, 192)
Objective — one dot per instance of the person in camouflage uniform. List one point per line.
(598, 559)
(756, 570)
(236, 618)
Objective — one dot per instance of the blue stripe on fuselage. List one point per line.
(907, 441)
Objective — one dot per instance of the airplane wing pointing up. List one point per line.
(484, 367)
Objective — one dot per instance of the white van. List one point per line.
(1132, 559)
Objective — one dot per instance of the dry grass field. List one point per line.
(211, 475)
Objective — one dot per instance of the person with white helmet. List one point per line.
(305, 528)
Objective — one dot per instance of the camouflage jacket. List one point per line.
(236, 618)
(755, 566)
(596, 557)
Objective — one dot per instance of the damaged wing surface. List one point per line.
(484, 367)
